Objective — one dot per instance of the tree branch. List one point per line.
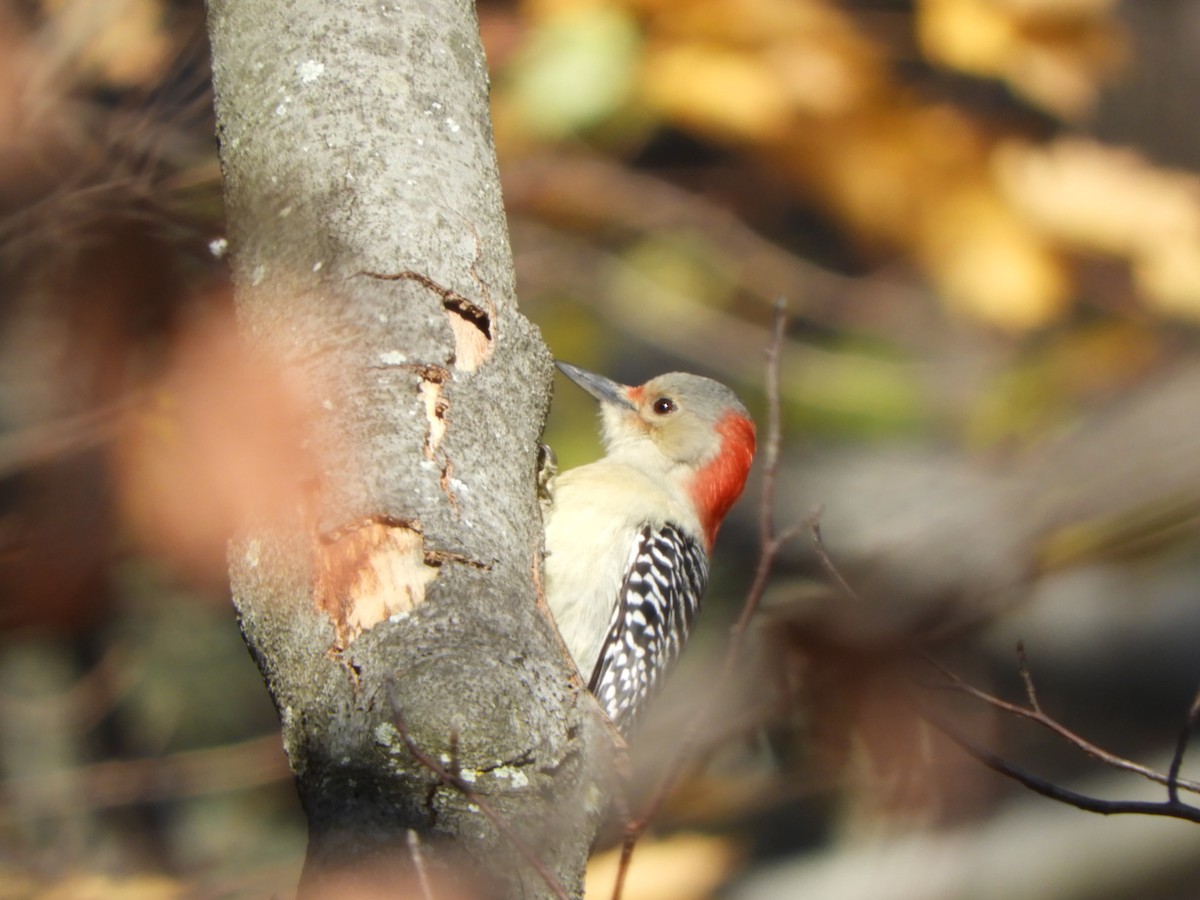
(1181, 745)
(1169, 808)
(1035, 714)
(1172, 807)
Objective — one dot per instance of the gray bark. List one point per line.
(355, 139)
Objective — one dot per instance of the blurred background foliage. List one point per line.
(985, 218)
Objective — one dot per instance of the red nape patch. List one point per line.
(720, 483)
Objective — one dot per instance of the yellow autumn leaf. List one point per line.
(715, 90)
(819, 80)
(1054, 54)
(1114, 202)
(991, 265)
(1100, 198)
(1058, 8)
(881, 168)
(743, 22)
(104, 887)
(535, 10)
(809, 47)
(966, 35)
(1169, 277)
(122, 42)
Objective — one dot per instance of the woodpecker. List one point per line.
(628, 536)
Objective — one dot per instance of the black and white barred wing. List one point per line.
(658, 600)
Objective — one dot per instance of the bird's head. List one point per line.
(690, 428)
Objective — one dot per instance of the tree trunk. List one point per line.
(399, 600)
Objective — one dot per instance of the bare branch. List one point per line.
(769, 543)
(1185, 736)
(769, 546)
(1035, 714)
(1027, 677)
(1170, 808)
(823, 557)
(633, 831)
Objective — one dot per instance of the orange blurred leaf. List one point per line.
(121, 42)
(1054, 52)
(219, 442)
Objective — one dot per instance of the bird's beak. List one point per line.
(603, 389)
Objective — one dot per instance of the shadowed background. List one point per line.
(985, 218)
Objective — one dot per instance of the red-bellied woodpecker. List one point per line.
(628, 536)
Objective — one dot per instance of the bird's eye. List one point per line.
(664, 405)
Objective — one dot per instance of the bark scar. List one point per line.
(470, 323)
(431, 381)
(471, 326)
(437, 407)
(437, 411)
(372, 569)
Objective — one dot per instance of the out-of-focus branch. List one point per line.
(1172, 807)
(606, 195)
(44, 442)
(122, 782)
(418, 859)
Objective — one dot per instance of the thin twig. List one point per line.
(1171, 808)
(1185, 737)
(628, 843)
(954, 682)
(769, 543)
(769, 546)
(457, 782)
(831, 570)
(1027, 678)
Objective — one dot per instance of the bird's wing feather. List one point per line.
(657, 602)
